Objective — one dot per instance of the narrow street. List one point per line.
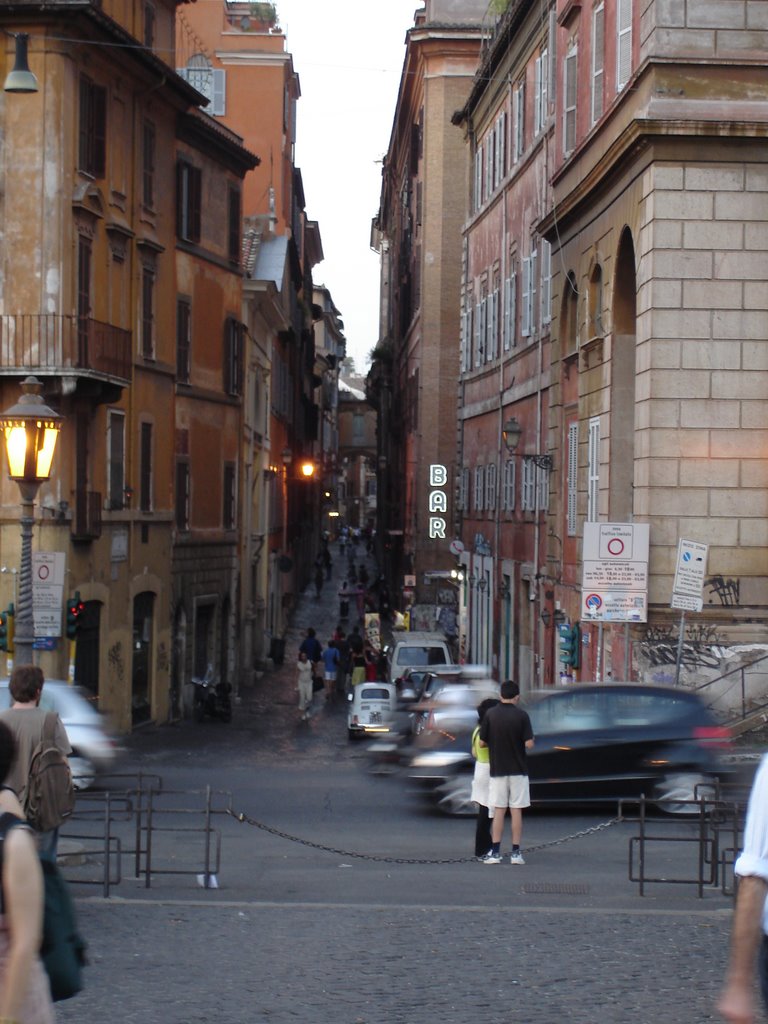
(342, 900)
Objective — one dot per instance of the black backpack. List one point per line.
(63, 949)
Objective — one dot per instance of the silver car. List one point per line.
(94, 750)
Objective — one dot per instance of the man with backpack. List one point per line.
(40, 774)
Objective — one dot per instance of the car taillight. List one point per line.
(713, 735)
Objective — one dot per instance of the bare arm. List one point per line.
(737, 1002)
(23, 889)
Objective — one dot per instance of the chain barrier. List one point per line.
(245, 819)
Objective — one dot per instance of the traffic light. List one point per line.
(570, 644)
(74, 611)
(3, 631)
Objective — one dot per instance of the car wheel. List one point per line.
(454, 797)
(83, 772)
(674, 793)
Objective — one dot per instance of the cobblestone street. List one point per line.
(300, 932)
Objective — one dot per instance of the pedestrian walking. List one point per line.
(360, 601)
(749, 935)
(344, 595)
(343, 668)
(481, 781)
(506, 731)
(25, 994)
(26, 720)
(327, 561)
(313, 649)
(358, 667)
(304, 677)
(319, 579)
(331, 664)
(371, 671)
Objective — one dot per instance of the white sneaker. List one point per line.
(492, 858)
(516, 858)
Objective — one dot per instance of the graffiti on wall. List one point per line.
(163, 661)
(702, 646)
(116, 663)
(727, 590)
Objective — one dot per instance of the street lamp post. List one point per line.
(31, 430)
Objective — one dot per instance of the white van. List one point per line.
(423, 650)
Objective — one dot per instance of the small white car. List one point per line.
(371, 709)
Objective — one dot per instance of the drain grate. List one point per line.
(556, 889)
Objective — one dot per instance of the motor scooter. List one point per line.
(212, 698)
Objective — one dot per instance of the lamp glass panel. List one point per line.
(16, 446)
(46, 450)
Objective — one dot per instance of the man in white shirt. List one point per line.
(749, 936)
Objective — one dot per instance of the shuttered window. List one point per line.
(572, 478)
(528, 496)
(490, 487)
(623, 43)
(510, 296)
(569, 100)
(509, 485)
(593, 470)
(519, 125)
(598, 59)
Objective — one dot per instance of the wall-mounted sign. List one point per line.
(438, 501)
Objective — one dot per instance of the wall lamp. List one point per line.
(20, 78)
(512, 432)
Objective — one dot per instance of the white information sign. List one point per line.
(614, 578)
(48, 569)
(685, 603)
(691, 568)
(616, 606)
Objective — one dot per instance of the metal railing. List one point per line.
(135, 817)
(739, 678)
(55, 343)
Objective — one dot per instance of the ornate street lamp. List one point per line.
(512, 432)
(31, 430)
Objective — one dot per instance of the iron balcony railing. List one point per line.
(53, 343)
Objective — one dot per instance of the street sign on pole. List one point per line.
(614, 582)
(690, 569)
(685, 603)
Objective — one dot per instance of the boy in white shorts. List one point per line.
(506, 731)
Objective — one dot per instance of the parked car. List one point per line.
(371, 709)
(94, 750)
(592, 743)
(417, 649)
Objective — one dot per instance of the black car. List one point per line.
(592, 743)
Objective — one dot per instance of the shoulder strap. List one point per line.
(9, 820)
(49, 727)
